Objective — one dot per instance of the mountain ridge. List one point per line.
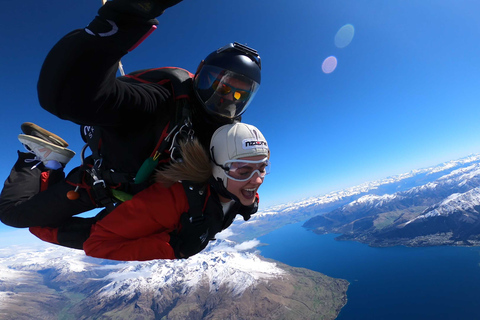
(444, 211)
(221, 283)
(269, 219)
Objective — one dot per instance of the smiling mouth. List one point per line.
(249, 193)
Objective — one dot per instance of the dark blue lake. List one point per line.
(387, 283)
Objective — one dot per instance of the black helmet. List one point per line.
(228, 80)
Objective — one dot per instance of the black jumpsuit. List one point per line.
(78, 83)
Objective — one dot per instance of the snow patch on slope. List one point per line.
(222, 264)
(454, 203)
(231, 268)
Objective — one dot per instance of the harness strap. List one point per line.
(196, 196)
(102, 196)
(151, 163)
(179, 83)
(113, 178)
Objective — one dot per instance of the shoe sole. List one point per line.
(25, 139)
(31, 129)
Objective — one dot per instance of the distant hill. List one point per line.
(443, 210)
(222, 283)
(360, 211)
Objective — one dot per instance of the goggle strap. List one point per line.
(212, 154)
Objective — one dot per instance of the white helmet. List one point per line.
(235, 141)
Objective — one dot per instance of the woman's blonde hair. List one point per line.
(195, 167)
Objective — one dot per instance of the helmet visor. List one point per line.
(243, 170)
(223, 92)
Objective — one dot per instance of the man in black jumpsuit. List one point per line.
(124, 120)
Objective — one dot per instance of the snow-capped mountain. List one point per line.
(444, 211)
(361, 196)
(228, 281)
(457, 202)
(437, 205)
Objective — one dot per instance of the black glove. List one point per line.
(75, 232)
(193, 237)
(125, 10)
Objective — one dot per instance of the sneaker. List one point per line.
(46, 151)
(31, 129)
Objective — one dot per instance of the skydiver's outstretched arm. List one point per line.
(78, 78)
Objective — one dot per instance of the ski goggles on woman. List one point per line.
(243, 170)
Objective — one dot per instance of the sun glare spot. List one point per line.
(344, 36)
(329, 64)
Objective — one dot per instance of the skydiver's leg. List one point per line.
(38, 196)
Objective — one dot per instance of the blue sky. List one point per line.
(404, 93)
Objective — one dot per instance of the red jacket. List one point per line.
(139, 228)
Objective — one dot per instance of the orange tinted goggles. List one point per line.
(224, 89)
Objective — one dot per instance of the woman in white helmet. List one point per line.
(192, 201)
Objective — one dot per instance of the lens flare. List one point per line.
(329, 64)
(344, 36)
